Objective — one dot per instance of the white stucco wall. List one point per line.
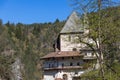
(49, 75)
(70, 41)
(52, 75)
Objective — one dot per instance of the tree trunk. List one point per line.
(101, 60)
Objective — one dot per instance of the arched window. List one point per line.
(65, 77)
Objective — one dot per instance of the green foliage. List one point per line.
(109, 74)
(29, 61)
(109, 31)
(5, 67)
(29, 42)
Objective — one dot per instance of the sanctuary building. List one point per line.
(71, 57)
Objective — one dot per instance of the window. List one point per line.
(78, 64)
(52, 65)
(76, 72)
(62, 64)
(62, 58)
(53, 58)
(71, 64)
(74, 49)
(72, 57)
(49, 65)
(65, 77)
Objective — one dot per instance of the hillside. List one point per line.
(26, 43)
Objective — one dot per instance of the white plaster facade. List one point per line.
(70, 42)
(56, 75)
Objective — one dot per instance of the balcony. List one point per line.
(64, 68)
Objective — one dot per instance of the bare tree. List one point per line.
(95, 8)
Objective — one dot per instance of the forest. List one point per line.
(28, 43)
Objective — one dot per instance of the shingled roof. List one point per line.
(73, 24)
(62, 54)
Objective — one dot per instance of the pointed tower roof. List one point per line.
(73, 24)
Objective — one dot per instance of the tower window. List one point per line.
(69, 38)
(74, 49)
